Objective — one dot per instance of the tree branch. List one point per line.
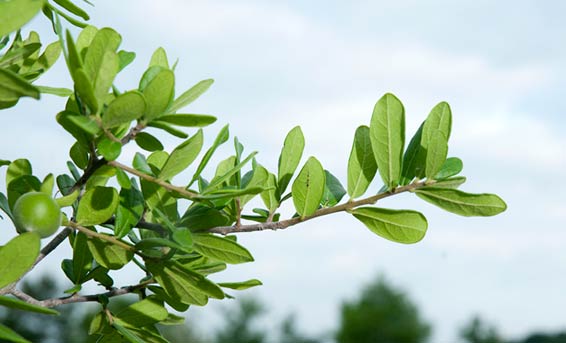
(182, 191)
(75, 298)
(107, 238)
(283, 224)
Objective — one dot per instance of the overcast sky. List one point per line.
(323, 65)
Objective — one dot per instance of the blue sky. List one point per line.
(323, 65)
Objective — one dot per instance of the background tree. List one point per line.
(382, 313)
(479, 331)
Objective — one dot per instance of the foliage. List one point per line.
(478, 331)
(178, 231)
(381, 314)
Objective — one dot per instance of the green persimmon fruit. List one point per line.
(37, 212)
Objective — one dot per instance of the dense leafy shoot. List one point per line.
(148, 214)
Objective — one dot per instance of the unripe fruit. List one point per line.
(37, 212)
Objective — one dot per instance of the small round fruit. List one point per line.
(37, 212)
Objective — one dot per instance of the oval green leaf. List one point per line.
(308, 188)
(148, 142)
(158, 93)
(182, 156)
(401, 226)
(191, 95)
(361, 164)
(22, 305)
(188, 120)
(289, 158)
(436, 154)
(462, 203)
(387, 134)
(452, 166)
(109, 255)
(123, 109)
(15, 13)
(221, 249)
(97, 206)
(438, 120)
(17, 257)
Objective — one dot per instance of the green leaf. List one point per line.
(308, 188)
(464, 204)
(62, 92)
(333, 190)
(100, 177)
(126, 333)
(230, 193)
(221, 249)
(97, 206)
(453, 182)
(14, 14)
(85, 90)
(101, 61)
(188, 120)
(21, 186)
(387, 134)
(5, 206)
(182, 156)
(168, 128)
(65, 183)
(5, 332)
(219, 180)
(239, 286)
(411, 159)
(18, 168)
(148, 142)
(71, 7)
(452, 166)
(140, 164)
(24, 306)
(200, 217)
(221, 138)
(401, 226)
(129, 212)
(157, 197)
(154, 242)
(361, 164)
(68, 200)
(13, 87)
(125, 58)
(290, 157)
(159, 58)
(190, 95)
(47, 185)
(17, 257)
(79, 155)
(16, 56)
(436, 154)
(82, 258)
(186, 285)
(142, 313)
(258, 179)
(171, 300)
(158, 92)
(76, 125)
(123, 109)
(109, 255)
(439, 119)
(109, 149)
(269, 197)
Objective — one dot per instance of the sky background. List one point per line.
(323, 65)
